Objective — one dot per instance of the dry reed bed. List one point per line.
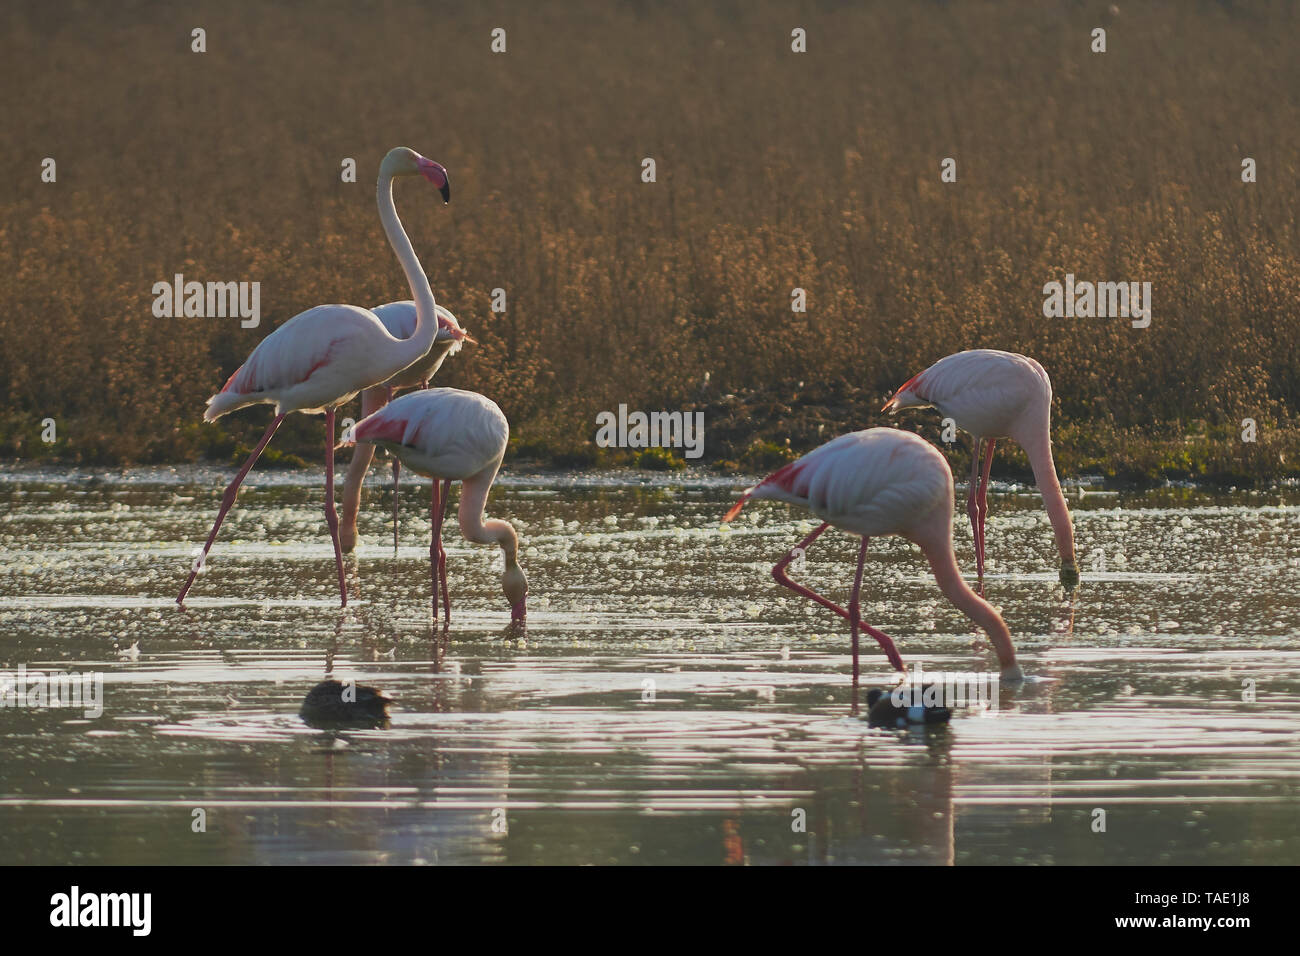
(775, 170)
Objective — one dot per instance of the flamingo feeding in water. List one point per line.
(877, 482)
(993, 395)
(400, 318)
(452, 435)
(321, 358)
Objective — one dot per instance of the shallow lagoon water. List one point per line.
(666, 702)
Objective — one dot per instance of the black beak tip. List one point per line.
(446, 193)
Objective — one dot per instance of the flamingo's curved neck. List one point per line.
(1039, 450)
(473, 500)
(943, 562)
(426, 322)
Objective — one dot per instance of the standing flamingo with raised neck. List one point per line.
(400, 319)
(321, 358)
(878, 482)
(451, 435)
(993, 395)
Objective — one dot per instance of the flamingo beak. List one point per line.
(436, 173)
(454, 332)
(520, 611)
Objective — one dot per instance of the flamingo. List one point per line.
(993, 395)
(881, 481)
(400, 319)
(450, 435)
(321, 358)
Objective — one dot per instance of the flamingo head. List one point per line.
(908, 396)
(515, 587)
(404, 161)
(449, 329)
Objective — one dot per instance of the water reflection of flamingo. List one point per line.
(1064, 621)
(733, 844)
(881, 481)
(993, 395)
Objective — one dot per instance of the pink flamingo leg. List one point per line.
(855, 610)
(331, 516)
(397, 471)
(227, 501)
(982, 504)
(884, 640)
(972, 506)
(856, 619)
(442, 552)
(783, 579)
(778, 572)
(435, 509)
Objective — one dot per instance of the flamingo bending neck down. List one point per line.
(881, 481)
(993, 395)
(452, 435)
(321, 358)
(400, 319)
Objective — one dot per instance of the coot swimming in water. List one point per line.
(884, 711)
(333, 703)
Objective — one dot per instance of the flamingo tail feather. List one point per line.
(735, 509)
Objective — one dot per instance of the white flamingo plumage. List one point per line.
(449, 434)
(400, 318)
(993, 395)
(321, 358)
(876, 482)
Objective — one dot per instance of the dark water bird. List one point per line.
(333, 703)
(884, 711)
